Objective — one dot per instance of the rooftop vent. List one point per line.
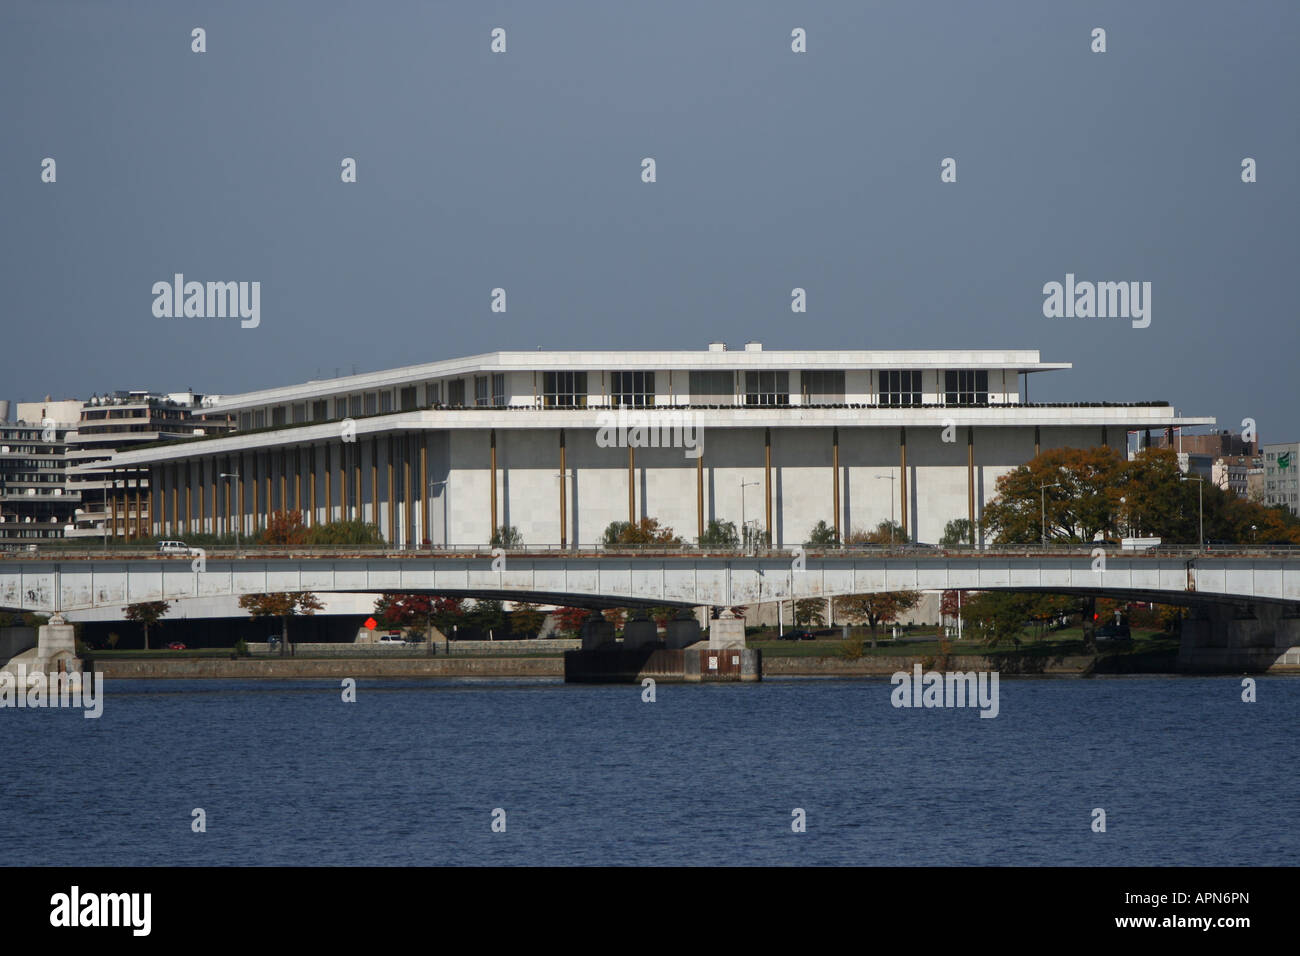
(717, 346)
(753, 346)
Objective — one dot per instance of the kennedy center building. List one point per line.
(559, 444)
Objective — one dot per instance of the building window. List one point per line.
(277, 415)
(408, 398)
(319, 412)
(712, 388)
(966, 387)
(900, 388)
(767, 388)
(498, 388)
(299, 413)
(259, 418)
(823, 388)
(564, 389)
(386, 401)
(636, 389)
(456, 393)
(245, 421)
(354, 403)
(481, 397)
(432, 393)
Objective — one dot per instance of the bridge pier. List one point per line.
(597, 632)
(56, 647)
(1236, 638)
(640, 631)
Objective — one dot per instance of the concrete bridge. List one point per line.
(1242, 598)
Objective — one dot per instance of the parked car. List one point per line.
(173, 547)
(176, 646)
(798, 634)
(390, 639)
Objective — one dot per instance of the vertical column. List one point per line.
(139, 514)
(564, 497)
(408, 495)
(311, 484)
(356, 476)
(297, 479)
(270, 490)
(392, 514)
(374, 482)
(425, 532)
(631, 485)
(175, 485)
(343, 481)
(902, 467)
(970, 480)
(1036, 441)
(1104, 442)
(112, 510)
(215, 475)
(329, 486)
(257, 495)
(767, 480)
(493, 442)
(835, 484)
(225, 512)
(189, 506)
(284, 479)
(699, 492)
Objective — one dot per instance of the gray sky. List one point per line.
(775, 170)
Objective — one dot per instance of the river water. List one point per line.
(288, 773)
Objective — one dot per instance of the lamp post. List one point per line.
(1200, 509)
(744, 527)
(239, 502)
(1042, 507)
(891, 479)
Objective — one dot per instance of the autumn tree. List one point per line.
(527, 619)
(645, 531)
(1080, 506)
(284, 528)
(146, 614)
(406, 612)
(875, 609)
(281, 604)
(568, 620)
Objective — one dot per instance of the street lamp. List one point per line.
(239, 503)
(1200, 508)
(891, 479)
(1042, 507)
(744, 526)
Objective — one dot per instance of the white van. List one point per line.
(173, 547)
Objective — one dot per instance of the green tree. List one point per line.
(874, 609)
(345, 533)
(720, 535)
(956, 533)
(485, 616)
(508, 537)
(526, 620)
(281, 604)
(146, 614)
(822, 535)
(810, 611)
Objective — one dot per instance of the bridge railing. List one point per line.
(120, 552)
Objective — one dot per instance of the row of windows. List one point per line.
(569, 389)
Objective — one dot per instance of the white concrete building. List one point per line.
(442, 453)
